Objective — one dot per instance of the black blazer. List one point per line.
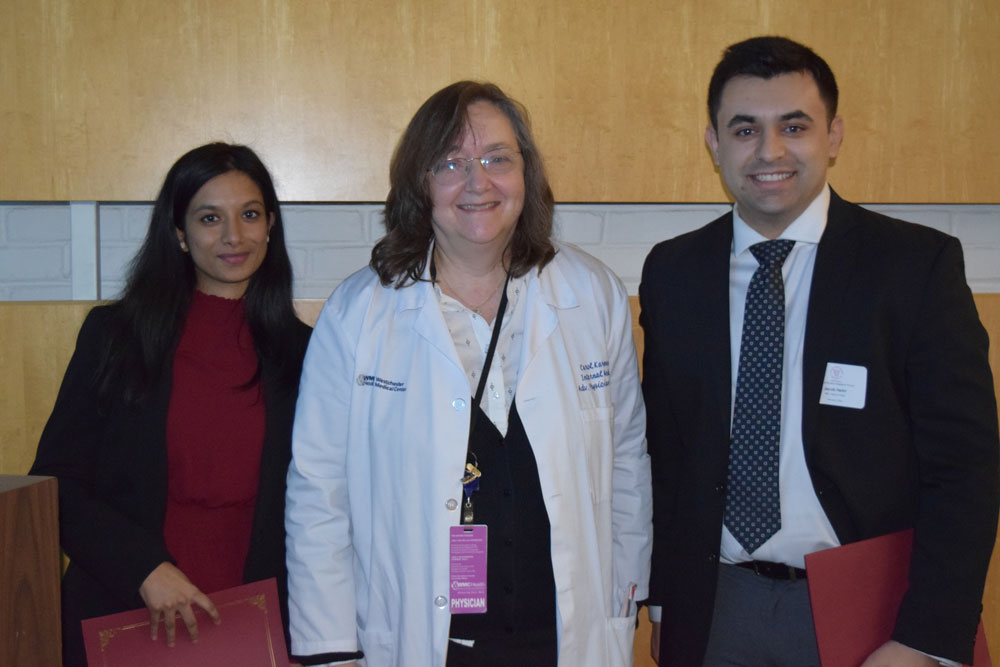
(112, 473)
(923, 452)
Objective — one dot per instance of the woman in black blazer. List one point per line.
(170, 436)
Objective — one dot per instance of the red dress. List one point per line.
(215, 432)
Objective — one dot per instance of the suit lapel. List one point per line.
(836, 257)
(688, 302)
(716, 330)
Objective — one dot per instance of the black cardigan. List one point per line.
(111, 464)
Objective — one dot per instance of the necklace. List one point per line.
(475, 309)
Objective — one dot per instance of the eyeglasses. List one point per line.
(455, 170)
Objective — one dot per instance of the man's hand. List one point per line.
(894, 654)
(654, 642)
(167, 592)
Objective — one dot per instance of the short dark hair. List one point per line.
(161, 278)
(400, 257)
(767, 57)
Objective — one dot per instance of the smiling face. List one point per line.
(477, 216)
(225, 230)
(773, 147)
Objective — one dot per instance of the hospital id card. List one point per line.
(467, 569)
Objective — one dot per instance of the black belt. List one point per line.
(773, 570)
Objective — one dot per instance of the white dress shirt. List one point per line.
(471, 335)
(805, 527)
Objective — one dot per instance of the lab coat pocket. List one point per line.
(598, 441)
(619, 633)
(379, 647)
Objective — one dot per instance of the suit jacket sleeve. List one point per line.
(94, 532)
(953, 418)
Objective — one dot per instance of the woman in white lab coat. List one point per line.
(396, 464)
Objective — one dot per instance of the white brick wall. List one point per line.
(327, 241)
(35, 252)
(620, 235)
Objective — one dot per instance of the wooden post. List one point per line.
(30, 631)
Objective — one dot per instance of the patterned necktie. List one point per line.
(753, 507)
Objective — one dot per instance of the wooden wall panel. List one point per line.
(36, 343)
(98, 97)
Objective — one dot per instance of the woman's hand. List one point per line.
(167, 592)
(894, 654)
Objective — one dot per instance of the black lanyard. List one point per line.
(470, 482)
(498, 320)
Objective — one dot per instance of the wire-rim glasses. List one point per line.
(455, 170)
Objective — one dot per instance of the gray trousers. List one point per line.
(761, 622)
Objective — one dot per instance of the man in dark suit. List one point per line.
(814, 374)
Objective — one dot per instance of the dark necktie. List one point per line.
(753, 507)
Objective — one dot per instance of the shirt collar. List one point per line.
(514, 289)
(807, 228)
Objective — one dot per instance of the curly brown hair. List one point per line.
(400, 256)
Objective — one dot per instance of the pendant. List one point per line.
(470, 482)
(467, 513)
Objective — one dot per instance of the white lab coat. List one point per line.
(379, 445)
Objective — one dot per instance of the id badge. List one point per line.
(844, 385)
(467, 569)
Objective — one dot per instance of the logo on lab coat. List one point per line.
(380, 383)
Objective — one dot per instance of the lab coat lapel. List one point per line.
(420, 303)
(545, 293)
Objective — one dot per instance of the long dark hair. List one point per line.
(150, 314)
(401, 255)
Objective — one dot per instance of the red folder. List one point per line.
(249, 635)
(855, 591)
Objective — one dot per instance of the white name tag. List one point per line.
(844, 385)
